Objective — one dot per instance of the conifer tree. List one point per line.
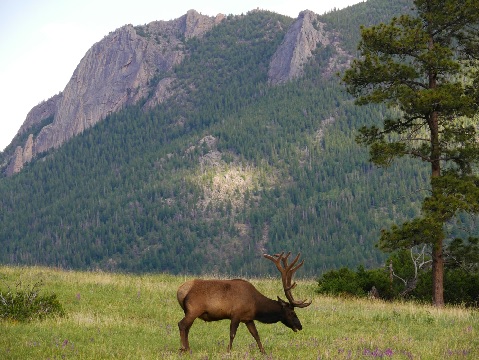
(425, 64)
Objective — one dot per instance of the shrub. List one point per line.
(339, 282)
(25, 303)
(359, 283)
(355, 283)
(379, 279)
(460, 287)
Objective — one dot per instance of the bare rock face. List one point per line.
(299, 42)
(16, 163)
(132, 63)
(196, 25)
(107, 77)
(42, 111)
(20, 157)
(28, 150)
(114, 73)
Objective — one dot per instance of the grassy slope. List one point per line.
(112, 316)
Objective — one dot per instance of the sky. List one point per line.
(42, 42)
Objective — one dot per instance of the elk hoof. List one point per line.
(184, 351)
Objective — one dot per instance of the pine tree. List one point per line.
(426, 65)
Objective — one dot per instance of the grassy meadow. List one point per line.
(117, 316)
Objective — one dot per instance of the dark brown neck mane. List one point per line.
(268, 311)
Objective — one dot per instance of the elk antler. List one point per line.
(287, 271)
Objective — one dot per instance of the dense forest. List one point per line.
(207, 181)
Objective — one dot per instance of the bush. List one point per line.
(378, 278)
(460, 287)
(355, 283)
(25, 303)
(340, 282)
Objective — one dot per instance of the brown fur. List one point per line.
(211, 300)
(239, 301)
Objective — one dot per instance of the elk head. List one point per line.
(287, 271)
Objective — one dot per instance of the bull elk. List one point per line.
(239, 301)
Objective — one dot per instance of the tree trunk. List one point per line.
(437, 256)
(438, 275)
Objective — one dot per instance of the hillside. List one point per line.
(213, 159)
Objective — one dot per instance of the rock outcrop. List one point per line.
(40, 112)
(114, 73)
(297, 47)
(20, 157)
(16, 162)
(136, 62)
(27, 154)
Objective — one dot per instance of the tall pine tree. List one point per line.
(426, 65)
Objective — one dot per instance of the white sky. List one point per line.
(42, 41)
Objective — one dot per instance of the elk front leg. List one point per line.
(184, 325)
(252, 329)
(233, 327)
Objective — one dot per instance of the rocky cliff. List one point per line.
(297, 47)
(42, 111)
(119, 71)
(305, 35)
(114, 73)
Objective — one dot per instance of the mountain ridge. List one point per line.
(225, 167)
(117, 72)
(113, 73)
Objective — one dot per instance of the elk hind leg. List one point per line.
(252, 329)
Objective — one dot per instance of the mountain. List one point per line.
(114, 73)
(194, 145)
(118, 71)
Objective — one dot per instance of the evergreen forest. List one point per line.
(207, 181)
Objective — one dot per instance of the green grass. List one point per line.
(114, 316)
